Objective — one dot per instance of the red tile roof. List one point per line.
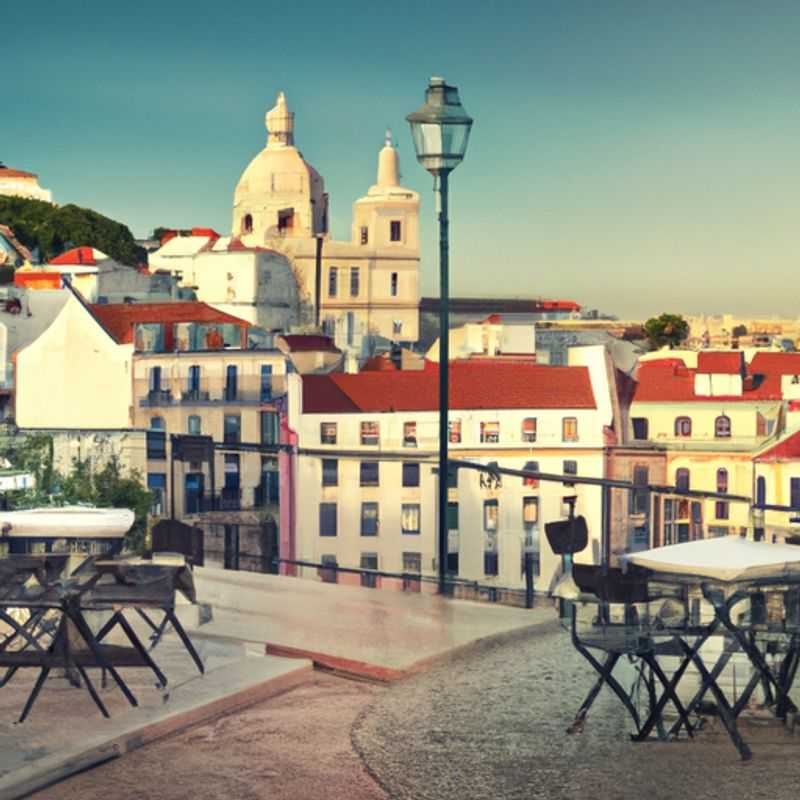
(775, 363)
(720, 362)
(300, 343)
(473, 385)
(786, 450)
(7, 172)
(119, 318)
(77, 256)
(671, 381)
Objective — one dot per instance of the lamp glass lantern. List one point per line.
(440, 128)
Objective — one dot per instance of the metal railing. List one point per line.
(247, 390)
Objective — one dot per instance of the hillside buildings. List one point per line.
(19, 183)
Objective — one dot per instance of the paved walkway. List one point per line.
(382, 634)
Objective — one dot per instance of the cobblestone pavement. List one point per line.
(290, 747)
(493, 725)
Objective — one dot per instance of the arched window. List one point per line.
(722, 481)
(722, 427)
(683, 426)
(761, 490)
(682, 479)
(193, 425)
(247, 223)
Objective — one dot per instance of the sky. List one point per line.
(636, 156)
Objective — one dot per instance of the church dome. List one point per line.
(279, 185)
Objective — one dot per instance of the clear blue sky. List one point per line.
(637, 156)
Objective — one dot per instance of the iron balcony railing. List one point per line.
(248, 390)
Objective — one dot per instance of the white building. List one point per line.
(365, 486)
(18, 183)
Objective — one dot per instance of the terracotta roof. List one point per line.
(79, 256)
(720, 362)
(786, 450)
(671, 381)
(472, 386)
(775, 363)
(119, 318)
(7, 172)
(300, 343)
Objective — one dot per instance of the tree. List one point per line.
(53, 229)
(109, 487)
(668, 329)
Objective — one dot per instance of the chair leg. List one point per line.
(92, 691)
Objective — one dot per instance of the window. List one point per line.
(529, 429)
(682, 479)
(369, 472)
(266, 383)
(721, 509)
(270, 427)
(155, 379)
(333, 279)
(533, 466)
(157, 484)
(397, 327)
(330, 472)
(194, 380)
(409, 434)
(412, 563)
(232, 471)
(491, 510)
(369, 519)
(530, 512)
(722, 481)
(328, 572)
(570, 468)
(761, 491)
(761, 424)
(722, 427)
(490, 560)
(247, 223)
(393, 284)
(454, 431)
(452, 516)
(370, 433)
(639, 502)
(490, 432)
(355, 278)
(364, 234)
(232, 429)
(156, 444)
(569, 429)
(452, 477)
(683, 426)
(410, 474)
(193, 425)
(409, 518)
(231, 383)
(369, 561)
(395, 230)
(794, 492)
(157, 423)
(350, 321)
(640, 427)
(327, 433)
(327, 519)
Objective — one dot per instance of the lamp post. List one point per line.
(440, 128)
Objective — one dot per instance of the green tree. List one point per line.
(668, 329)
(53, 229)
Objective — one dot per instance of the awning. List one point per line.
(729, 558)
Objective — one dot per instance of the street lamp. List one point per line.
(440, 128)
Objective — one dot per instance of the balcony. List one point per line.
(246, 391)
(248, 499)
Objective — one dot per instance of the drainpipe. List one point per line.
(286, 470)
(318, 282)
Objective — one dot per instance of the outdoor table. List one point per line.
(724, 572)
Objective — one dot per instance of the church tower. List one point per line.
(279, 195)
